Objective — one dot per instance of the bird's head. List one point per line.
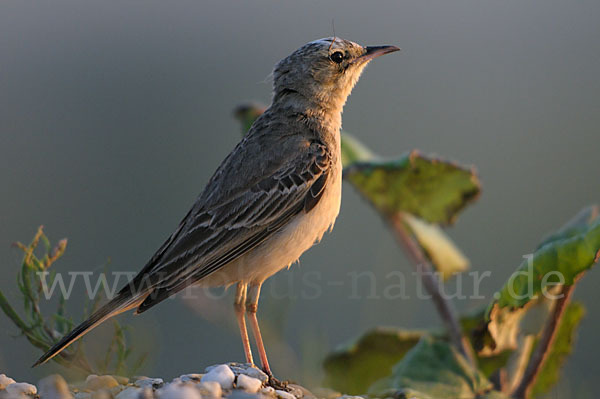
(323, 71)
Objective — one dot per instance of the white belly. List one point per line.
(286, 246)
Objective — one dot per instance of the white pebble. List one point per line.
(268, 391)
(284, 395)
(102, 394)
(5, 381)
(146, 393)
(179, 391)
(95, 382)
(190, 377)
(248, 369)
(115, 390)
(255, 373)
(17, 388)
(211, 388)
(149, 382)
(248, 384)
(54, 387)
(129, 393)
(221, 374)
(121, 380)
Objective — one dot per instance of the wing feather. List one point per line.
(213, 236)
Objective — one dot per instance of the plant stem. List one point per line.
(542, 350)
(518, 371)
(62, 358)
(427, 274)
(11, 314)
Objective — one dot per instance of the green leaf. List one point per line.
(561, 349)
(494, 395)
(579, 223)
(568, 253)
(354, 367)
(429, 188)
(433, 369)
(444, 255)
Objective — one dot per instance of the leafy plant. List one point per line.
(356, 366)
(44, 331)
(490, 354)
(435, 369)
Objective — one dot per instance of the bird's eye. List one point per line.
(337, 57)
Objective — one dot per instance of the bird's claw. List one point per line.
(275, 383)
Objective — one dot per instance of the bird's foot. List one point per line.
(275, 383)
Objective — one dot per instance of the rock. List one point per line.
(221, 374)
(95, 382)
(250, 370)
(269, 391)
(102, 394)
(326, 393)
(300, 392)
(224, 381)
(146, 382)
(256, 373)
(20, 388)
(248, 384)
(284, 395)
(130, 393)
(116, 390)
(54, 387)
(210, 389)
(351, 397)
(239, 394)
(146, 393)
(191, 377)
(121, 380)
(5, 381)
(179, 391)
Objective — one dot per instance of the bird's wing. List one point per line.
(237, 213)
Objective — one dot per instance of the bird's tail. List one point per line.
(119, 304)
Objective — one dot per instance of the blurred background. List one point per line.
(113, 115)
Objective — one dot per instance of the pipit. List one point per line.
(271, 199)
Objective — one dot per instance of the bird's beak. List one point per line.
(376, 51)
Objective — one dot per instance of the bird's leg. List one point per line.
(251, 307)
(240, 308)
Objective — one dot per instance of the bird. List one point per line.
(271, 199)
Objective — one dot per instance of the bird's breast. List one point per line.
(300, 234)
(288, 244)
